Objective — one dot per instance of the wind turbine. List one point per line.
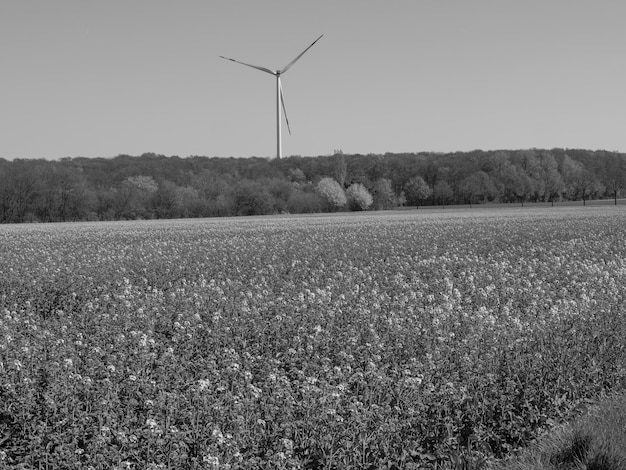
(280, 100)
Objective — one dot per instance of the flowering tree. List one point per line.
(332, 192)
(359, 197)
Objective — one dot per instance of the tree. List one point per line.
(553, 185)
(251, 198)
(296, 176)
(18, 192)
(5, 196)
(359, 197)
(516, 184)
(190, 202)
(401, 199)
(305, 202)
(279, 190)
(478, 185)
(548, 173)
(586, 184)
(383, 194)
(133, 197)
(442, 192)
(579, 180)
(104, 204)
(614, 175)
(530, 164)
(340, 167)
(65, 194)
(378, 168)
(332, 193)
(164, 201)
(417, 190)
(125, 186)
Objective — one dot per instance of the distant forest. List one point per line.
(155, 186)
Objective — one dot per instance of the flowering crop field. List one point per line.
(392, 340)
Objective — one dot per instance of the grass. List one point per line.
(596, 440)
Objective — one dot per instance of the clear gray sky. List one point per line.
(101, 78)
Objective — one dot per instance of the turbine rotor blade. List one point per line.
(301, 54)
(262, 69)
(282, 100)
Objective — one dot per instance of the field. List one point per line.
(391, 340)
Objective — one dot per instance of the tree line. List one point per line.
(155, 186)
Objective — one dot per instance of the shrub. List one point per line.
(333, 194)
(304, 202)
(359, 197)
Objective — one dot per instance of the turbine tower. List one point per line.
(280, 100)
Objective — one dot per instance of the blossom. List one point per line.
(203, 384)
(211, 460)
(391, 318)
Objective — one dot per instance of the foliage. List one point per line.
(442, 192)
(384, 196)
(332, 193)
(154, 186)
(417, 191)
(251, 198)
(401, 340)
(595, 439)
(359, 197)
(340, 168)
(478, 186)
(580, 181)
(305, 202)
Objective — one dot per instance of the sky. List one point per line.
(96, 78)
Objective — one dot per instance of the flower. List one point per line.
(211, 460)
(203, 384)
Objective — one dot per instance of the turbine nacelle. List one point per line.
(280, 100)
